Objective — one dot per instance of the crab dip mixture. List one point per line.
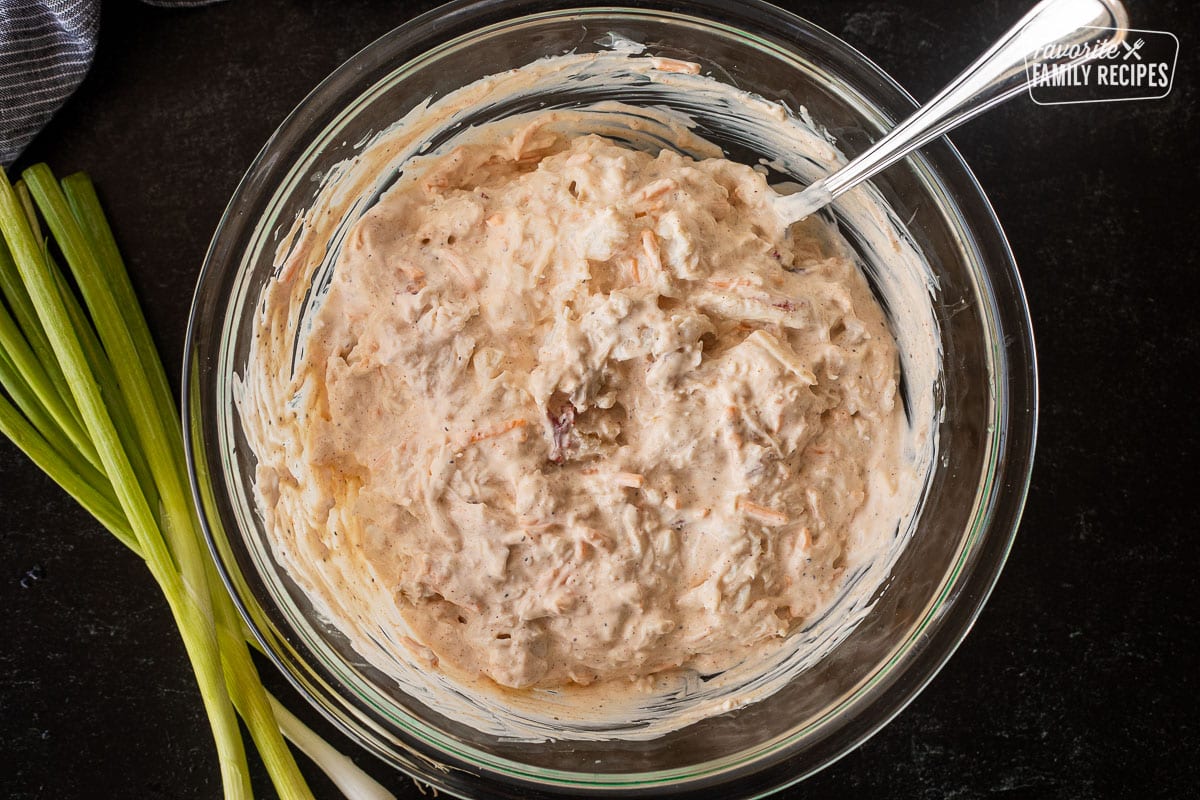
(570, 413)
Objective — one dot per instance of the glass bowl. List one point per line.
(969, 514)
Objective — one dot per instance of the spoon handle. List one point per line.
(998, 74)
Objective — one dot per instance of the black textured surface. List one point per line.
(1080, 678)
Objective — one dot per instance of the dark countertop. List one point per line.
(1080, 677)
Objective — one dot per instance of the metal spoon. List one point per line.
(997, 75)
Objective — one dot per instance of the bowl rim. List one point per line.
(924, 657)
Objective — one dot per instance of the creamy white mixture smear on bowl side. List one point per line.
(572, 414)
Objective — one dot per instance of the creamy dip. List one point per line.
(574, 414)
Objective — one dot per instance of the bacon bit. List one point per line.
(767, 516)
(496, 430)
(784, 304)
(650, 247)
(561, 414)
(629, 480)
(578, 159)
(674, 65)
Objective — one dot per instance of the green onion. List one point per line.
(89, 402)
(31, 362)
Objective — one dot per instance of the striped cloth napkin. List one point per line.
(46, 47)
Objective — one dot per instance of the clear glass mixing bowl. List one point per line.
(970, 512)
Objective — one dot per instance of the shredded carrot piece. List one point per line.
(650, 246)
(767, 516)
(630, 480)
(734, 283)
(656, 189)
(496, 430)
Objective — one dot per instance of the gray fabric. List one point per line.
(46, 47)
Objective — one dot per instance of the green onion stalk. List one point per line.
(86, 398)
